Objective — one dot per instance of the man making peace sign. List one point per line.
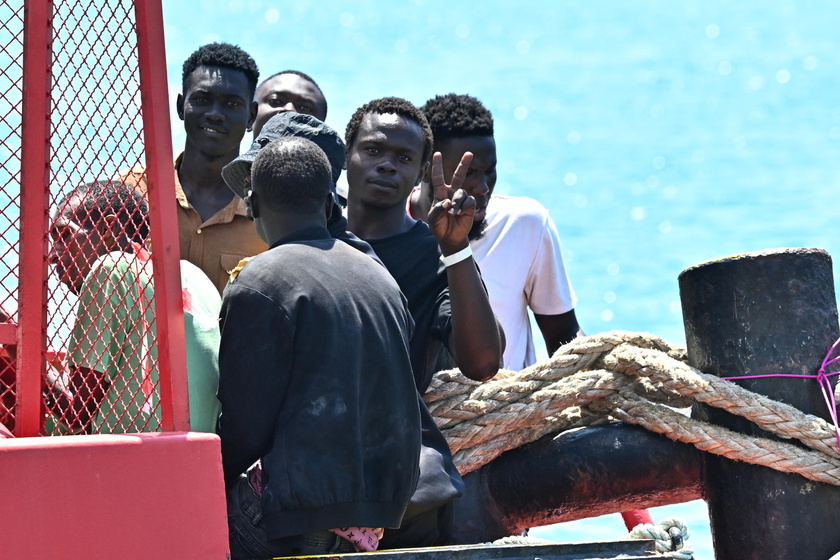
(389, 144)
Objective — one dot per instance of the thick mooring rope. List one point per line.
(634, 377)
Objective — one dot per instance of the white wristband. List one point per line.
(455, 258)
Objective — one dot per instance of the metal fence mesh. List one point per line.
(110, 384)
(11, 95)
(108, 332)
(102, 373)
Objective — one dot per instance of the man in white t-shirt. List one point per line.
(514, 240)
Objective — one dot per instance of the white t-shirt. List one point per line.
(522, 266)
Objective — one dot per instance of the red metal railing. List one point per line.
(165, 254)
(81, 120)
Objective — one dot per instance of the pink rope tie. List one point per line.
(822, 378)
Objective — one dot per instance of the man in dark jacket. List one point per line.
(315, 376)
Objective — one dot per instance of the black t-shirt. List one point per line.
(413, 259)
(337, 226)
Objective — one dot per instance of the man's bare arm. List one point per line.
(75, 400)
(557, 330)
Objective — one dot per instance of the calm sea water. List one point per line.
(659, 134)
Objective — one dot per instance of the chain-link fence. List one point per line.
(97, 131)
(100, 367)
(11, 93)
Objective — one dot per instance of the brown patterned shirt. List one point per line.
(215, 246)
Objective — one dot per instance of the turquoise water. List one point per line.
(659, 134)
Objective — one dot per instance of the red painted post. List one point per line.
(169, 313)
(34, 213)
(8, 333)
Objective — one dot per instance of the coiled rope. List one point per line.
(638, 378)
(671, 536)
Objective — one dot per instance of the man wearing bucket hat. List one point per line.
(237, 174)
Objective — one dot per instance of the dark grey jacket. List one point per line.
(315, 380)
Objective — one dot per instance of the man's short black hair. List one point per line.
(222, 55)
(292, 173)
(303, 75)
(457, 116)
(112, 198)
(397, 106)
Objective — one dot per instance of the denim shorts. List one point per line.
(247, 535)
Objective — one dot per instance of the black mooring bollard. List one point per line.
(764, 313)
(575, 474)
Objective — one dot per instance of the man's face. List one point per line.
(385, 161)
(288, 92)
(481, 175)
(75, 246)
(216, 109)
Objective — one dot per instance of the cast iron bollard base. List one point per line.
(768, 312)
(579, 473)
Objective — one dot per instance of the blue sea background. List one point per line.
(659, 134)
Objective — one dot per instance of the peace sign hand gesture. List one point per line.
(451, 216)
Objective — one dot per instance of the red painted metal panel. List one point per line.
(8, 333)
(31, 335)
(132, 497)
(164, 221)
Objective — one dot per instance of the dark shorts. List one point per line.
(247, 535)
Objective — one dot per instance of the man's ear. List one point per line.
(251, 204)
(110, 230)
(424, 174)
(427, 174)
(329, 205)
(252, 116)
(427, 191)
(179, 105)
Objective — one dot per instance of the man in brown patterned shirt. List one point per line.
(217, 106)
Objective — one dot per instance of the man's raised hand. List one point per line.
(451, 216)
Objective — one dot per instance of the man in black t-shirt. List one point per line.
(389, 145)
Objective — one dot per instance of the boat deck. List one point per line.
(625, 550)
